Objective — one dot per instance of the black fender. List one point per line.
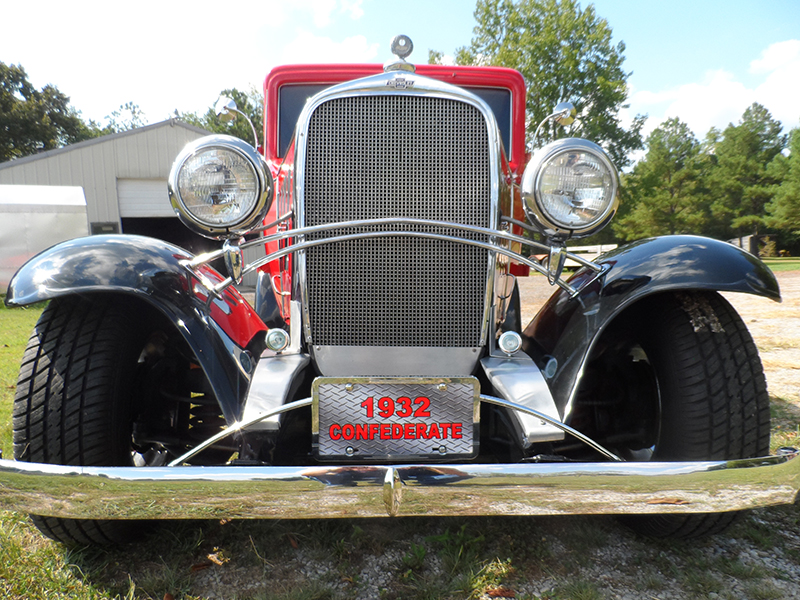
(151, 270)
(567, 328)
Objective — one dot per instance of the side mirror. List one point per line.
(564, 113)
(226, 109)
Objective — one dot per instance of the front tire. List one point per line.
(714, 405)
(682, 371)
(98, 387)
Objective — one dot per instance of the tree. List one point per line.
(564, 53)
(741, 180)
(127, 116)
(250, 103)
(665, 189)
(783, 210)
(34, 120)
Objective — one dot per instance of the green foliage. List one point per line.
(783, 210)
(32, 120)
(741, 180)
(665, 192)
(735, 182)
(577, 589)
(127, 116)
(459, 550)
(414, 559)
(564, 52)
(250, 103)
(435, 57)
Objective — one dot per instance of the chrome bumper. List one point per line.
(376, 491)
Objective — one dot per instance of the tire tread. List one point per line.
(718, 405)
(68, 408)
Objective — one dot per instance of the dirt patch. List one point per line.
(775, 327)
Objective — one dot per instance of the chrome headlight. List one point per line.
(570, 188)
(220, 186)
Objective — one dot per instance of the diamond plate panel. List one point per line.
(341, 414)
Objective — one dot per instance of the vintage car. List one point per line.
(383, 368)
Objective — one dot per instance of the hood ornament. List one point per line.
(402, 47)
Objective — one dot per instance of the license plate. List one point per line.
(367, 418)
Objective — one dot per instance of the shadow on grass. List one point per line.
(425, 557)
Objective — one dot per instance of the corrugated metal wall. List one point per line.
(138, 160)
(95, 165)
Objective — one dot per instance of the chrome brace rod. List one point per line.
(241, 425)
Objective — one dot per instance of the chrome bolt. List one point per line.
(348, 387)
(442, 387)
(349, 451)
(442, 450)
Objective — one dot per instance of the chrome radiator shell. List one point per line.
(366, 150)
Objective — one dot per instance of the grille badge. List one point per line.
(400, 83)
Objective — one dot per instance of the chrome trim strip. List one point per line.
(392, 491)
(291, 233)
(374, 491)
(519, 380)
(376, 85)
(269, 387)
(395, 361)
(299, 232)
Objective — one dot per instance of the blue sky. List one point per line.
(704, 61)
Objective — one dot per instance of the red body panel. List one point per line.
(232, 312)
(498, 77)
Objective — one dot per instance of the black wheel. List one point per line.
(686, 384)
(104, 382)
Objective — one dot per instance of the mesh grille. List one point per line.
(397, 156)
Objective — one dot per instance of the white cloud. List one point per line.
(353, 7)
(780, 91)
(321, 12)
(716, 101)
(777, 56)
(721, 99)
(168, 55)
(310, 48)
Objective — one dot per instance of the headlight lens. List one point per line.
(570, 188)
(219, 186)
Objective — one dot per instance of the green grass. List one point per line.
(785, 421)
(16, 325)
(783, 264)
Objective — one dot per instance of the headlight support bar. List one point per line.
(492, 234)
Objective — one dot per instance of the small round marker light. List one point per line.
(277, 340)
(509, 342)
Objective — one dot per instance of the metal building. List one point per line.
(124, 179)
(123, 176)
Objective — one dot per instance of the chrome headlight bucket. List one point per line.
(570, 188)
(220, 186)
